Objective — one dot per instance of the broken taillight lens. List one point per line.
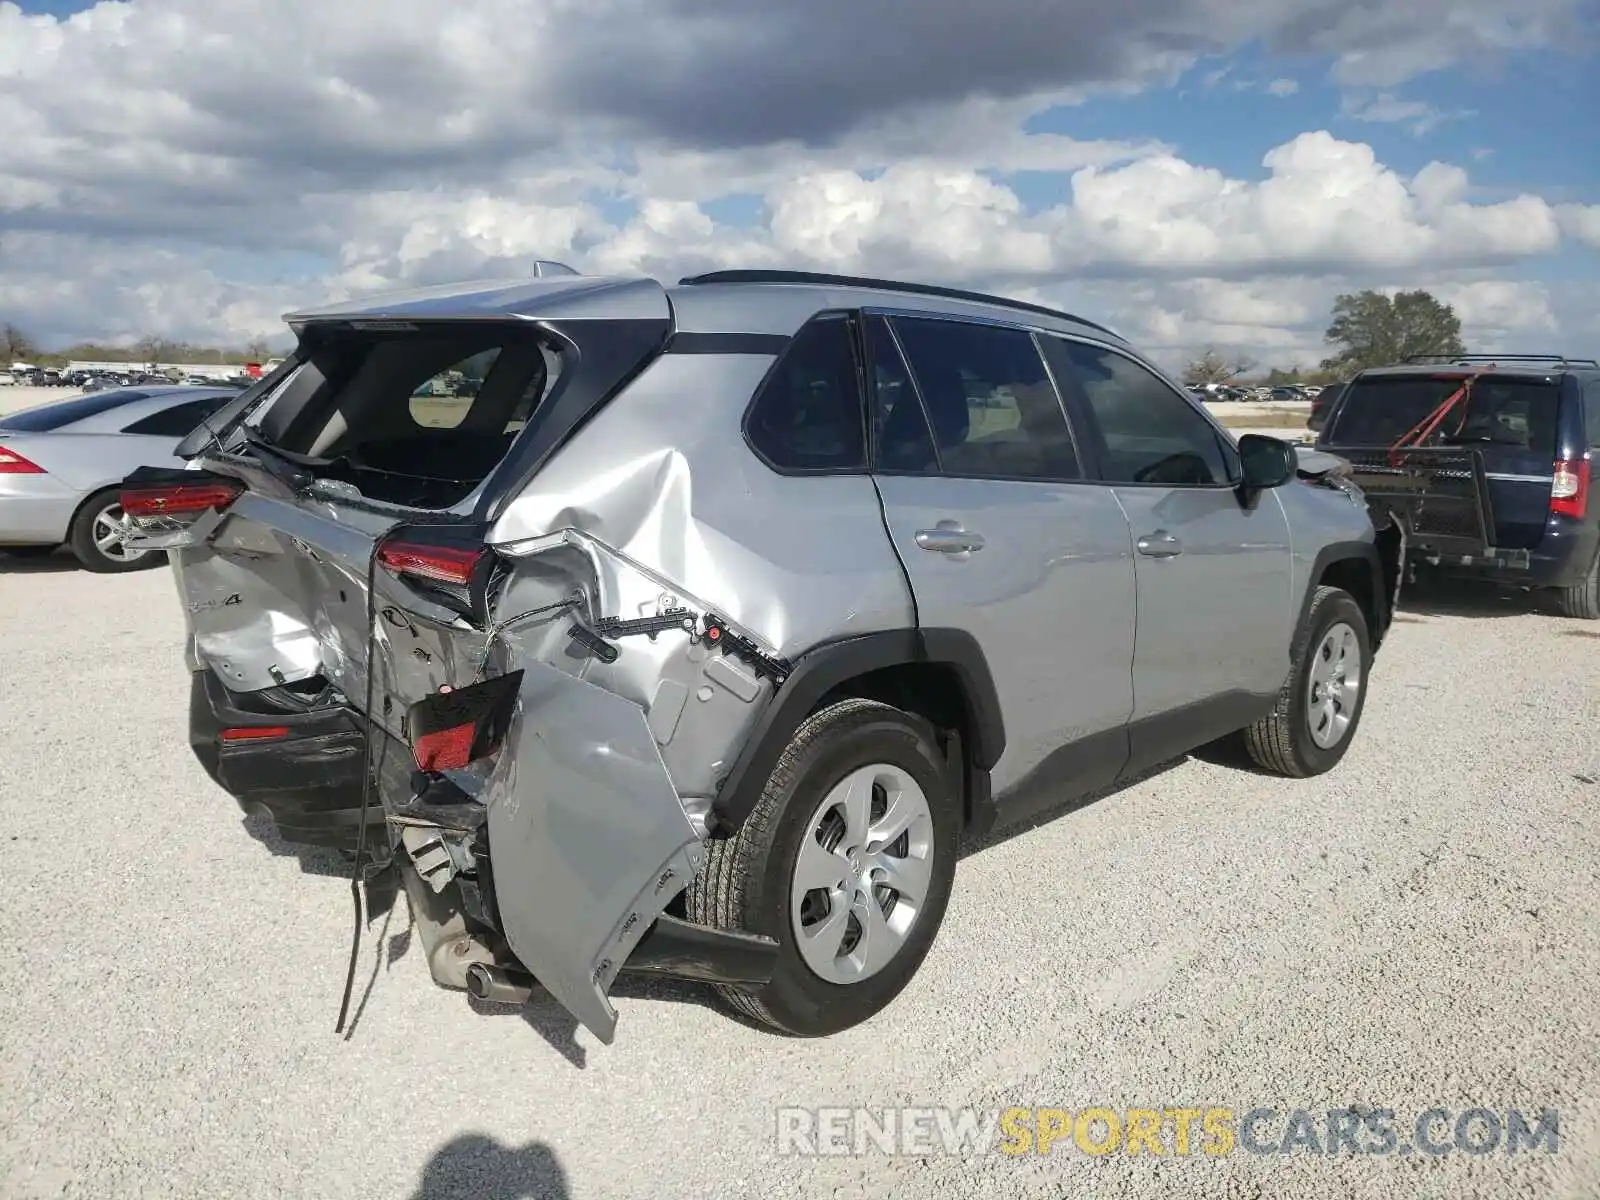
(176, 500)
(12, 463)
(437, 564)
(1569, 490)
(451, 730)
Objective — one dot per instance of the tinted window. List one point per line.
(46, 417)
(1591, 402)
(1149, 432)
(808, 414)
(900, 428)
(1517, 413)
(994, 411)
(179, 420)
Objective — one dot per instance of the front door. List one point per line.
(1213, 572)
(1002, 537)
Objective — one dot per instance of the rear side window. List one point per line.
(994, 411)
(808, 413)
(179, 420)
(1591, 404)
(47, 417)
(1519, 414)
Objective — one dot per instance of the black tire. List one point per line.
(1581, 601)
(1282, 741)
(745, 884)
(82, 540)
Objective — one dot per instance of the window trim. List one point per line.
(889, 315)
(1225, 444)
(853, 337)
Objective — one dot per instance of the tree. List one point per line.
(1370, 329)
(15, 346)
(257, 350)
(1212, 367)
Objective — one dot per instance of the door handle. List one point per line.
(1159, 544)
(949, 538)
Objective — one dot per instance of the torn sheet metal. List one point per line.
(588, 838)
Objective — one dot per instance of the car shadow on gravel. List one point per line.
(474, 1166)
(314, 860)
(1464, 598)
(54, 563)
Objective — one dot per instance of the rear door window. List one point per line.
(993, 410)
(1519, 414)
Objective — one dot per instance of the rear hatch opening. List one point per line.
(407, 414)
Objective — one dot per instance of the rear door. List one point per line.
(1213, 574)
(986, 501)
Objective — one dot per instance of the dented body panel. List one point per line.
(648, 585)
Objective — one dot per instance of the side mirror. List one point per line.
(1268, 462)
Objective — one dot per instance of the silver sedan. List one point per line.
(61, 464)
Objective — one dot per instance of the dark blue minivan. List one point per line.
(1487, 461)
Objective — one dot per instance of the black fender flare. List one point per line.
(1385, 582)
(825, 667)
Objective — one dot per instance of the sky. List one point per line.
(1196, 173)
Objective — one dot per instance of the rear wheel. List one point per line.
(99, 534)
(1319, 707)
(1582, 599)
(847, 862)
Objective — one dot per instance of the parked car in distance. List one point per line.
(714, 689)
(61, 464)
(1489, 462)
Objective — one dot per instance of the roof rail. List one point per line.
(1560, 360)
(886, 285)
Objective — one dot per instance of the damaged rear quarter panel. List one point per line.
(657, 503)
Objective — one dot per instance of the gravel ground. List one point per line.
(1420, 928)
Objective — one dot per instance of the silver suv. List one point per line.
(689, 628)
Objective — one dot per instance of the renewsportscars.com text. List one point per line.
(1175, 1131)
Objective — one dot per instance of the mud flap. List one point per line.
(587, 836)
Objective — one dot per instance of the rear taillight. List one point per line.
(172, 500)
(12, 463)
(451, 730)
(1569, 490)
(437, 564)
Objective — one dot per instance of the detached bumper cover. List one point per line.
(584, 824)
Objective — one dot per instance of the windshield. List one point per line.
(1518, 413)
(46, 417)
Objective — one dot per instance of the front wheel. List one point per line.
(847, 862)
(99, 537)
(1319, 707)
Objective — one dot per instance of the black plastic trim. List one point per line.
(681, 950)
(728, 343)
(887, 285)
(1382, 613)
(821, 670)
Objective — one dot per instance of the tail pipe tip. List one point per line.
(498, 985)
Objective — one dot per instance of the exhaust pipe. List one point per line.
(498, 985)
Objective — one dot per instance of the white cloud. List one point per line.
(182, 168)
